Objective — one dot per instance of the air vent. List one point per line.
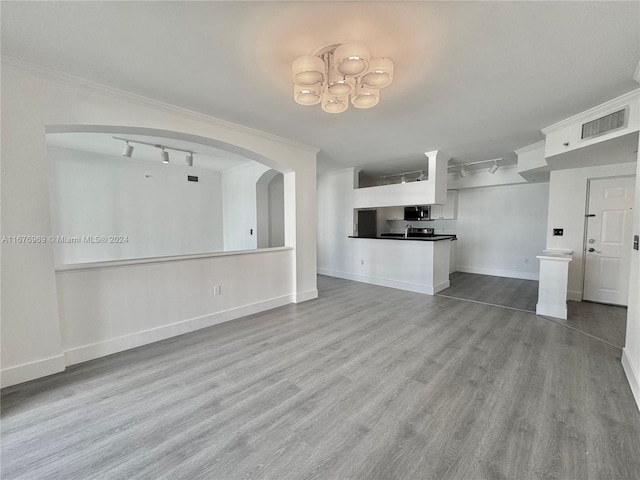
(192, 178)
(604, 124)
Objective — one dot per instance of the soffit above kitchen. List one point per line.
(476, 80)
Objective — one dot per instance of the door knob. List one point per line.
(594, 250)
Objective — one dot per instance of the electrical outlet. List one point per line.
(361, 262)
(216, 290)
(558, 232)
(526, 260)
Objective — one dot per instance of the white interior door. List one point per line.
(608, 245)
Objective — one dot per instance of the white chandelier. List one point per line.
(340, 74)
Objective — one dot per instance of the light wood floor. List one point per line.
(365, 382)
(508, 292)
(606, 322)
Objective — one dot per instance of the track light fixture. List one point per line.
(463, 172)
(164, 155)
(404, 177)
(128, 150)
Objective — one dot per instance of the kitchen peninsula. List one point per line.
(418, 264)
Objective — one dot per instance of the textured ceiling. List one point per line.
(474, 79)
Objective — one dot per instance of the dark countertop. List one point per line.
(400, 236)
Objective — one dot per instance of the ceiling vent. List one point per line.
(606, 124)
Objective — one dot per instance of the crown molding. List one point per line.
(67, 78)
(528, 148)
(595, 112)
(636, 74)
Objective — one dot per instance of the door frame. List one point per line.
(585, 227)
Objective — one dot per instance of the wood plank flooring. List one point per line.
(508, 292)
(606, 322)
(365, 382)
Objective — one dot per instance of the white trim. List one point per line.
(137, 339)
(305, 296)
(595, 112)
(63, 77)
(441, 286)
(632, 376)
(554, 311)
(636, 74)
(499, 273)
(32, 370)
(575, 296)
(385, 282)
(528, 148)
(176, 258)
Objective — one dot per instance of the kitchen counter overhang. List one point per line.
(400, 236)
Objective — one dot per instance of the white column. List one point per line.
(554, 277)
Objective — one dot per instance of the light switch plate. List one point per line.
(558, 232)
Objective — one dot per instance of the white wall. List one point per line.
(567, 209)
(270, 210)
(497, 227)
(111, 308)
(151, 204)
(501, 229)
(33, 100)
(335, 220)
(631, 352)
(239, 204)
(276, 211)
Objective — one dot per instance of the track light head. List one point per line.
(128, 150)
(422, 176)
(165, 156)
(190, 159)
(403, 179)
(463, 172)
(494, 168)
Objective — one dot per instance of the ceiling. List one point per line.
(476, 80)
(103, 143)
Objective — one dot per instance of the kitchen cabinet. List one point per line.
(394, 213)
(448, 211)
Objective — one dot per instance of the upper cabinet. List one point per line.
(448, 211)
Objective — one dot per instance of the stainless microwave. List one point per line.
(417, 213)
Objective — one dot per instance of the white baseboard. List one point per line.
(385, 282)
(32, 370)
(575, 296)
(555, 311)
(441, 286)
(632, 376)
(305, 296)
(119, 344)
(499, 273)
